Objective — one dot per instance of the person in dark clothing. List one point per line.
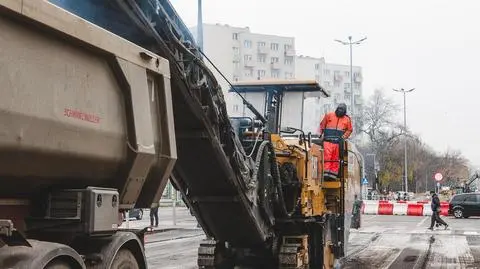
(154, 214)
(436, 212)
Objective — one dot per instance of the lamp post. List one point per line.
(200, 25)
(375, 169)
(351, 43)
(405, 132)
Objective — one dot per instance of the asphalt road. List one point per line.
(382, 242)
(174, 249)
(405, 242)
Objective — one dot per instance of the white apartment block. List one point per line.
(242, 55)
(336, 79)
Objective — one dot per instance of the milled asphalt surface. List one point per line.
(405, 242)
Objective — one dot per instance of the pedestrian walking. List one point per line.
(154, 215)
(435, 204)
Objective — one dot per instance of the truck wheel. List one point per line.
(57, 264)
(124, 260)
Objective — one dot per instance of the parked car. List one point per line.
(136, 213)
(464, 205)
(401, 195)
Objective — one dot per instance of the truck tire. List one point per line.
(58, 264)
(124, 260)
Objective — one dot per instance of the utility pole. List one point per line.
(351, 43)
(405, 133)
(200, 25)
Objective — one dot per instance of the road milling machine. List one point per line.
(103, 101)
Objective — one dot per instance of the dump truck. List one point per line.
(102, 102)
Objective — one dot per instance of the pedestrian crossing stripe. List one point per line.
(470, 233)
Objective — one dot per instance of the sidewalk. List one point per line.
(183, 220)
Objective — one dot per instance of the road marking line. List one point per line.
(470, 233)
(422, 221)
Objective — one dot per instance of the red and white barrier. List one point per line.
(370, 207)
(401, 208)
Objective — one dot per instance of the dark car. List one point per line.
(464, 205)
(134, 213)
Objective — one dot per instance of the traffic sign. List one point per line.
(364, 181)
(438, 177)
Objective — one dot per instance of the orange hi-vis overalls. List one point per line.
(334, 130)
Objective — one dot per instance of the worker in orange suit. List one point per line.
(335, 127)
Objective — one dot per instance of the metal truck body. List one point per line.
(87, 131)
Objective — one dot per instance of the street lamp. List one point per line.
(350, 43)
(200, 25)
(375, 169)
(405, 131)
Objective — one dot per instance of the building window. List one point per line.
(247, 44)
(261, 44)
(317, 66)
(288, 75)
(347, 74)
(326, 84)
(236, 64)
(261, 58)
(336, 97)
(235, 36)
(356, 74)
(288, 60)
(327, 107)
(275, 74)
(347, 86)
(236, 50)
(274, 46)
(261, 73)
(357, 85)
(347, 97)
(248, 73)
(274, 60)
(235, 78)
(326, 71)
(247, 58)
(287, 46)
(235, 108)
(336, 84)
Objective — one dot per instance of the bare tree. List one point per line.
(378, 121)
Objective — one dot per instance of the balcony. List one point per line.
(249, 63)
(263, 50)
(290, 52)
(275, 65)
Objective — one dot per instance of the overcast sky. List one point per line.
(430, 45)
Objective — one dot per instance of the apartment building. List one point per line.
(242, 55)
(336, 79)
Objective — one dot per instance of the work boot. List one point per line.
(430, 228)
(446, 226)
